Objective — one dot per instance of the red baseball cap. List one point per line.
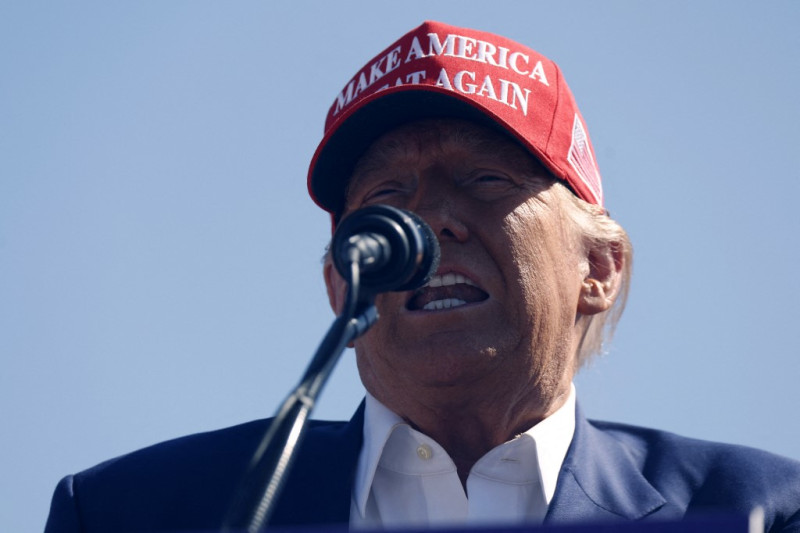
(442, 71)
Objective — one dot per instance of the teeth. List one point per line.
(448, 280)
(443, 304)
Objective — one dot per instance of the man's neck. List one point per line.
(469, 427)
(550, 440)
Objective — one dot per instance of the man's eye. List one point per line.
(490, 185)
(495, 180)
(381, 193)
(490, 178)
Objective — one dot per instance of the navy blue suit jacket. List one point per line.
(611, 472)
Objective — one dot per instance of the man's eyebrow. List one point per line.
(364, 176)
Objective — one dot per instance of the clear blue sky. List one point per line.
(160, 260)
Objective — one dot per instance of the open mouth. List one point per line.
(446, 291)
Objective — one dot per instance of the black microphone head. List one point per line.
(430, 254)
(413, 248)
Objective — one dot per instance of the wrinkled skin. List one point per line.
(475, 375)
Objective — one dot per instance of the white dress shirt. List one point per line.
(406, 479)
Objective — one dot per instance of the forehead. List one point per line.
(413, 142)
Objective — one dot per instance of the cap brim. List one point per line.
(346, 141)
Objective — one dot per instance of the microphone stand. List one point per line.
(257, 493)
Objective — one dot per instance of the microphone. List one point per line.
(394, 248)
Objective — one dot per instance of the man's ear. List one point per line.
(335, 284)
(602, 284)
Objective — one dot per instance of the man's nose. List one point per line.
(441, 210)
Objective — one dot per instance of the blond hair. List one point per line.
(597, 229)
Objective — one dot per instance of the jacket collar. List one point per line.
(600, 480)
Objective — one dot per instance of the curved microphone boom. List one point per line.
(394, 248)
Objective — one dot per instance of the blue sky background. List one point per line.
(160, 259)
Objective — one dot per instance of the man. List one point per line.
(470, 415)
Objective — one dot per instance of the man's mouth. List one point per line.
(445, 291)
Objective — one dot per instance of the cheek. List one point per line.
(527, 261)
(540, 260)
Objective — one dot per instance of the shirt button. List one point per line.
(424, 452)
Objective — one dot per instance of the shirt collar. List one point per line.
(552, 437)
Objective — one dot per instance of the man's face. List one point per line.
(499, 318)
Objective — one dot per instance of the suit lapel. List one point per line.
(600, 480)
